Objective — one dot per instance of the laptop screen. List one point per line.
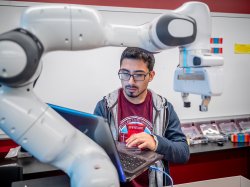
(95, 128)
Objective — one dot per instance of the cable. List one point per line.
(165, 173)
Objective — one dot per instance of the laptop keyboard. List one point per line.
(129, 162)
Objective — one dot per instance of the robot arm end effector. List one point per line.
(200, 74)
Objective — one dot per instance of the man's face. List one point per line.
(135, 88)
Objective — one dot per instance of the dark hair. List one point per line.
(139, 54)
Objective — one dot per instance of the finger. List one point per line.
(133, 137)
(132, 143)
(144, 145)
(130, 139)
(135, 142)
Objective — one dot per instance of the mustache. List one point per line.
(130, 86)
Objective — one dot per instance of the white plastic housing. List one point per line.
(201, 14)
(201, 81)
(205, 59)
(63, 27)
(173, 29)
(12, 59)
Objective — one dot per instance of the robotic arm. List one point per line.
(188, 27)
(45, 134)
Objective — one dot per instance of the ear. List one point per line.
(151, 75)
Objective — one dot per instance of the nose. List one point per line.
(131, 80)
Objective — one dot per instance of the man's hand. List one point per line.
(142, 141)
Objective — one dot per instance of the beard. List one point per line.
(133, 94)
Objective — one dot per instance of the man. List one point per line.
(139, 117)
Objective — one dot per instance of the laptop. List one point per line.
(129, 162)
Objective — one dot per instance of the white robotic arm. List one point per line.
(188, 27)
(44, 133)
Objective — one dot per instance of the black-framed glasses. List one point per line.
(137, 77)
